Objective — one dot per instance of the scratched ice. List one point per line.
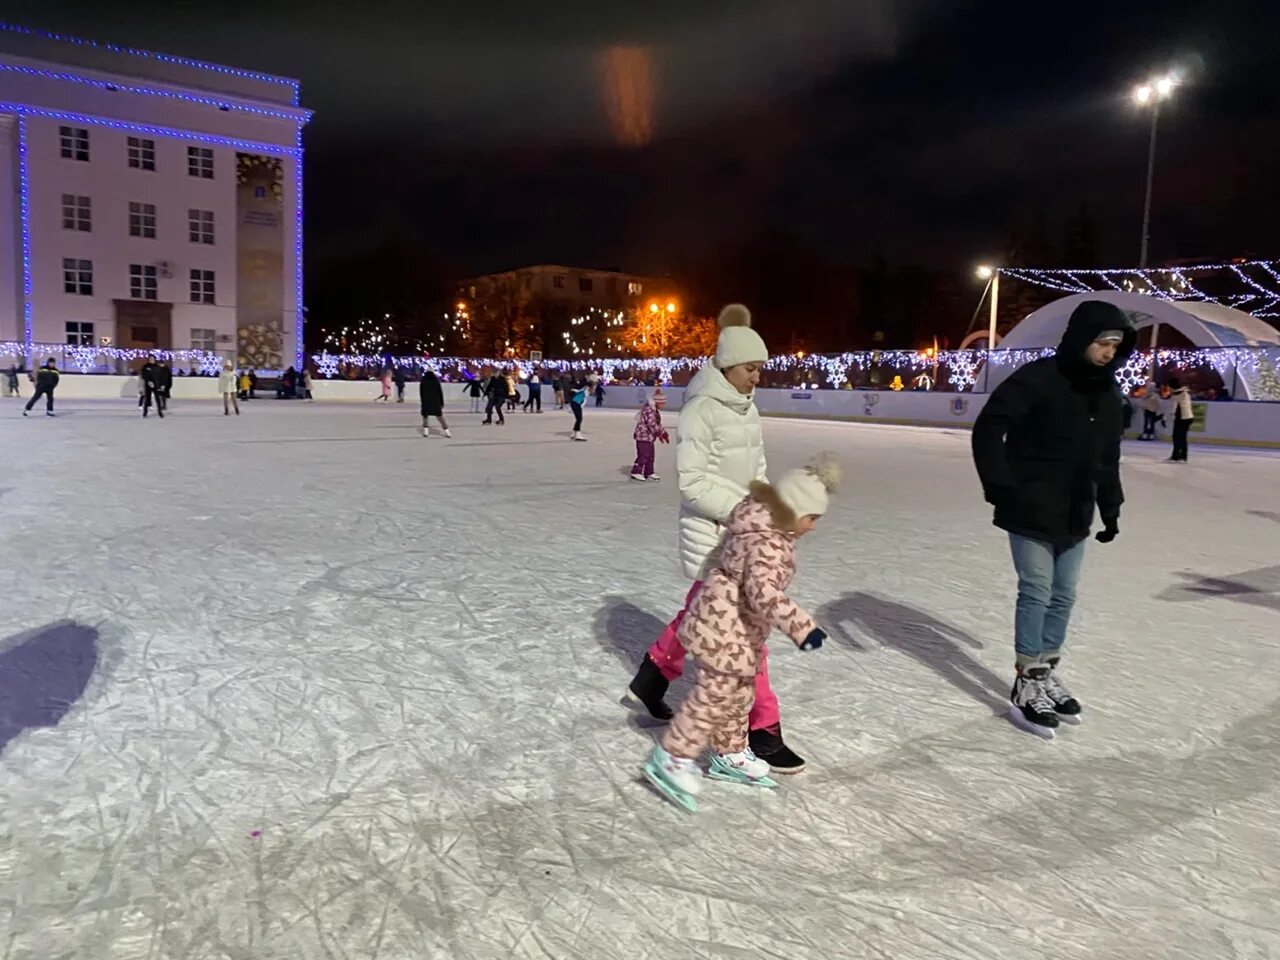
(303, 685)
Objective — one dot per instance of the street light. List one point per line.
(992, 275)
(1144, 94)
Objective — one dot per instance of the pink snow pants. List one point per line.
(669, 655)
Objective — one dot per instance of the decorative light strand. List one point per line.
(24, 214)
(172, 132)
(149, 55)
(85, 358)
(222, 104)
(299, 319)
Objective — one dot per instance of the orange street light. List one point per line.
(653, 308)
(671, 307)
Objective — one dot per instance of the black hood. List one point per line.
(1088, 320)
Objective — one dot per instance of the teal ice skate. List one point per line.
(744, 767)
(675, 778)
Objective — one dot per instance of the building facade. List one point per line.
(576, 287)
(151, 201)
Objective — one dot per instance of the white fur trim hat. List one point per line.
(738, 343)
(807, 491)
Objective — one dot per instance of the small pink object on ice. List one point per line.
(256, 834)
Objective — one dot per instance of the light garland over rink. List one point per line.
(76, 358)
(958, 370)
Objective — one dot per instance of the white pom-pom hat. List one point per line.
(738, 343)
(807, 491)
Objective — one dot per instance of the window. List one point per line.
(79, 334)
(202, 286)
(558, 282)
(203, 339)
(74, 142)
(142, 281)
(77, 277)
(75, 213)
(142, 153)
(200, 226)
(585, 284)
(634, 288)
(200, 162)
(142, 220)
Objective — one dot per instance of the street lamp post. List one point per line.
(1152, 93)
(992, 276)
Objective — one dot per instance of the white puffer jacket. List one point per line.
(720, 451)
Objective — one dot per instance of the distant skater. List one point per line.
(46, 383)
(431, 394)
(497, 391)
(227, 387)
(648, 431)
(475, 390)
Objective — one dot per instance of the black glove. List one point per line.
(1111, 529)
(814, 640)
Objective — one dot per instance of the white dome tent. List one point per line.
(1203, 324)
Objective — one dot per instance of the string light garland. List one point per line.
(149, 55)
(957, 369)
(1259, 293)
(86, 357)
(24, 214)
(294, 116)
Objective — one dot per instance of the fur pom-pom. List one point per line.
(827, 469)
(734, 315)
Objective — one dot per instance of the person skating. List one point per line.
(1150, 410)
(227, 387)
(743, 600)
(399, 378)
(496, 389)
(385, 380)
(46, 380)
(558, 386)
(474, 389)
(513, 390)
(535, 393)
(431, 395)
(164, 387)
(719, 453)
(149, 387)
(11, 381)
(1182, 419)
(648, 431)
(575, 391)
(1047, 450)
(306, 385)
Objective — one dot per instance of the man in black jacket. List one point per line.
(46, 381)
(1047, 449)
(496, 390)
(150, 377)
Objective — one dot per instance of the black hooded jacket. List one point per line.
(431, 394)
(1047, 444)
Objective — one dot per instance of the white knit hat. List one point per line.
(738, 343)
(807, 491)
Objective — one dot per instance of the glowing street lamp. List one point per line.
(1151, 94)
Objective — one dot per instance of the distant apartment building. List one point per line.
(150, 201)
(572, 286)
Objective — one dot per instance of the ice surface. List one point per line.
(325, 689)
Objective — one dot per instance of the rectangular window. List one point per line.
(74, 143)
(202, 286)
(75, 213)
(142, 220)
(200, 162)
(79, 334)
(635, 289)
(142, 153)
(77, 277)
(142, 281)
(203, 339)
(200, 226)
(558, 282)
(585, 285)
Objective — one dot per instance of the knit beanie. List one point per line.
(738, 343)
(806, 491)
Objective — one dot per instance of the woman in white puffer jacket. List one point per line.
(719, 453)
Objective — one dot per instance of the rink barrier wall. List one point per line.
(1234, 423)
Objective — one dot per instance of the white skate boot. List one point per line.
(676, 778)
(744, 767)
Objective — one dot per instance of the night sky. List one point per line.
(492, 134)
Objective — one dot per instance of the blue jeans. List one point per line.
(1047, 578)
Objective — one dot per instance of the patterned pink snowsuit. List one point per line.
(730, 618)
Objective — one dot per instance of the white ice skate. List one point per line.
(1032, 710)
(638, 476)
(448, 435)
(1065, 705)
(426, 432)
(744, 767)
(677, 779)
(654, 478)
(577, 435)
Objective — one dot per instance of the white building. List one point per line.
(148, 201)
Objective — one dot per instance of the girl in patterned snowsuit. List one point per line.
(649, 430)
(742, 601)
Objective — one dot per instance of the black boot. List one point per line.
(649, 687)
(767, 744)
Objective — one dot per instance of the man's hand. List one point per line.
(1111, 529)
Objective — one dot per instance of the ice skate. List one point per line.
(426, 432)
(1032, 709)
(744, 767)
(653, 478)
(448, 435)
(577, 435)
(647, 689)
(1065, 705)
(768, 745)
(677, 779)
(639, 477)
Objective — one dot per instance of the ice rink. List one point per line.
(302, 684)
